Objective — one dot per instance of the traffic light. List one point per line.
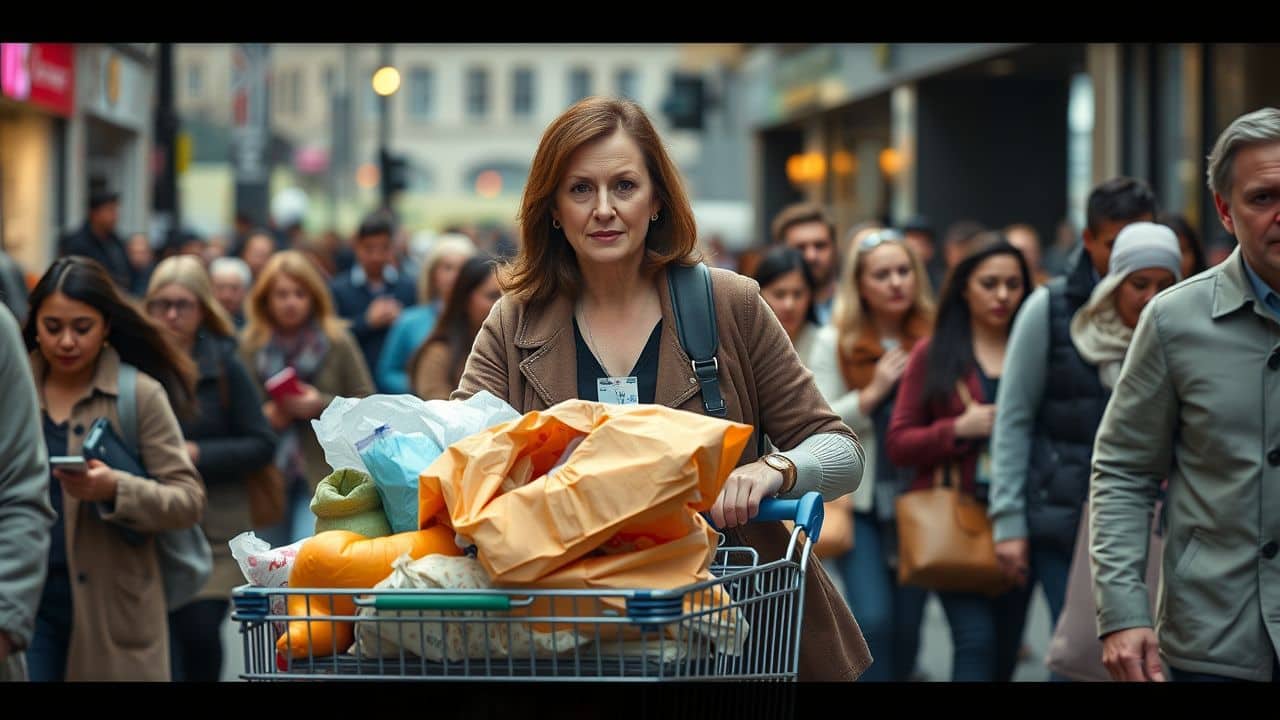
(393, 171)
(685, 102)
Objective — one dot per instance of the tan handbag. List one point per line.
(265, 488)
(836, 537)
(944, 536)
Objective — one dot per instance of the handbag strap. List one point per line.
(943, 474)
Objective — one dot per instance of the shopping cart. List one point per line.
(742, 624)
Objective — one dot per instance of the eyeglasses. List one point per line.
(878, 237)
(161, 306)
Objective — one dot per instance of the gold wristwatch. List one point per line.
(782, 464)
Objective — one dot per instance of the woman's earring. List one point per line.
(654, 218)
(555, 223)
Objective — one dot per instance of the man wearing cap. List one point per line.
(97, 239)
(1196, 402)
(1049, 404)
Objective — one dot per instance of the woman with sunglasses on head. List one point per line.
(883, 308)
(942, 423)
(102, 613)
(227, 438)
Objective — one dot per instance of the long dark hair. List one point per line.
(1182, 228)
(781, 260)
(135, 338)
(950, 354)
(454, 327)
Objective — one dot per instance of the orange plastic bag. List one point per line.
(343, 559)
(640, 470)
(621, 513)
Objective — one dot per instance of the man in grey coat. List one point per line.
(1197, 402)
(25, 513)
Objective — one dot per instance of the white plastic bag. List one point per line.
(347, 421)
(265, 566)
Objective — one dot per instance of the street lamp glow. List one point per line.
(386, 81)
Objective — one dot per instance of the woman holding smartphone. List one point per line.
(102, 612)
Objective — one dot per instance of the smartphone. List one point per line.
(72, 463)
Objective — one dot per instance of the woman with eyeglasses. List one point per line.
(942, 421)
(102, 610)
(883, 308)
(228, 437)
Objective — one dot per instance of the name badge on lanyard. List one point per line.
(618, 390)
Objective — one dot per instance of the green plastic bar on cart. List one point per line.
(443, 602)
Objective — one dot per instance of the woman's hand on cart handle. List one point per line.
(739, 500)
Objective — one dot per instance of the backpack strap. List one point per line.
(696, 325)
(127, 405)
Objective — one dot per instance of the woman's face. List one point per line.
(605, 201)
(886, 281)
(1137, 290)
(70, 334)
(177, 311)
(481, 301)
(445, 274)
(789, 297)
(994, 291)
(288, 303)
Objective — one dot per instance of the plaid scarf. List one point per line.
(304, 353)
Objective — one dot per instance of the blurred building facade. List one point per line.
(467, 118)
(73, 118)
(995, 132)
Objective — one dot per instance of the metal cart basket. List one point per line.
(742, 624)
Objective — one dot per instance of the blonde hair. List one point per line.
(447, 244)
(188, 272)
(849, 312)
(258, 322)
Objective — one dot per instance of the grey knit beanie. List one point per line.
(1142, 245)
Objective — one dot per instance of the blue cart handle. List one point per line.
(805, 512)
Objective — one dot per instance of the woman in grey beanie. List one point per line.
(1146, 259)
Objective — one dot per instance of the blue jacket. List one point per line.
(408, 332)
(352, 296)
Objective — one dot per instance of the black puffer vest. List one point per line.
(1070, 411)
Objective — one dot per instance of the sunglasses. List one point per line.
(877, 238)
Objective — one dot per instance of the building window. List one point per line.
(579, 84)
(330, 78)
(625, 83)
(477, 92)
(421, 90)
(195, 80)
(522, 89)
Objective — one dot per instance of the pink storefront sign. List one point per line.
(42, 74)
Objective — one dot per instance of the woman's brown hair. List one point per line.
(545, 265)
(258, 320)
